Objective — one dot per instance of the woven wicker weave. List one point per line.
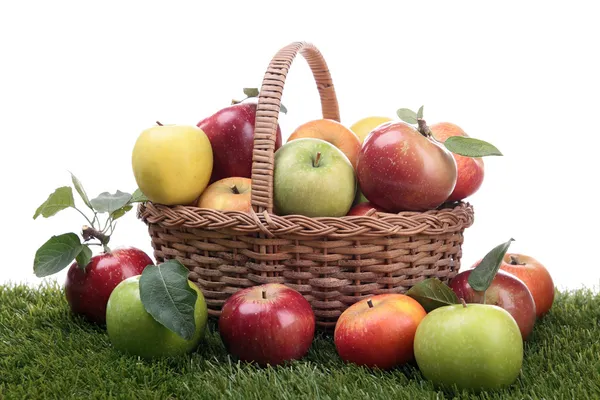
(333, 262)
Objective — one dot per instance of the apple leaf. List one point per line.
(120, 212)
(251, 92)
(79, 187)
(56, 254)
(282, 108)
(138, 197)
(420, 113)
(107, 202)
(432, 293)
(471, 147)
(482, 276)
(60, 199)
(167, 296)
(84, 256)
(408, 116)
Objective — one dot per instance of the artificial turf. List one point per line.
(45, 352)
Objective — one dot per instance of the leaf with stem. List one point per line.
(138, 197)
(432, 293)
(84, 256)
(471, 147)
(483, 274)
(56, 254)
(79, 188)
(420, 113)
(407, 115)
(60, 199)
(108, 203)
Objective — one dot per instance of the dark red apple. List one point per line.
(268, 324)
(231, 135)
(401, 169)
(364, 208)
(470, 170)
(88, 289)
(506, 291)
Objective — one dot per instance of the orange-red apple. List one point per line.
(470, 170)
(535, 276)
(228, 194)
(379, 331)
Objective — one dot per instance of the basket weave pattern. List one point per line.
(333, 262)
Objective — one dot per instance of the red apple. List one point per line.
(506, 291)
(400, 169)
(228, 194)
(231, 134)
(268, 324)
(379, 331)
(364, 208)
(535, 276)
(88, 289)
(470, 170)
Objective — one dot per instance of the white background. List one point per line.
(79, 82)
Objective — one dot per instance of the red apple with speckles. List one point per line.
(268, 324)
(535, 276)
(401, 169)
(506, 291)
(364, 208)
(231, 135)
(88, 289)
(470, 170)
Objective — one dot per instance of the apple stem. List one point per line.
(235, 190)
(90, 233)
(158, 123)
(423, 128)
(515, 261)
(317, 159)
(264, 294)
(463, 302)
(370, 303)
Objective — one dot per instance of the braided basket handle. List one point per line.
(267, 113)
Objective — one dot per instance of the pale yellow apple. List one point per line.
(234, 193)
(172, 164)
(363, 127)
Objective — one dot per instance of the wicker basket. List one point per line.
(333, 262)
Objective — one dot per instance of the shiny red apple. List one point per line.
(535, 276)
(88, 289)
(506, 291)
(268, 324)
(470, 170)
(364, 208)
(401, 169)
(231, 135)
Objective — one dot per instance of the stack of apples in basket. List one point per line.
(465, 334)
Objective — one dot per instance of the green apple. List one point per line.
(476, 346)
(314, 178)
(133, 330)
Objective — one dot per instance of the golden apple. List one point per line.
(228, 194)
(363, 127)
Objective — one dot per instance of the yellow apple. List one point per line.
(172, 164)
(363, 127)
(233, 193)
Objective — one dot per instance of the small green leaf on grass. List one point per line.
(138, 197)
(471, 147)
(57, 253)
(167, 296)
(60, 199)
(406, 115)
(420, 113)
(482, 276)
(107, 202)
(432, 293)
(79, 187)
(84, 256)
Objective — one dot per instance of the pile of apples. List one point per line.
(324, 169)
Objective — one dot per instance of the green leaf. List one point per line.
(471, 147)
(167, 296)
(406, 115)
(120, 212)
(282, 108)
(420, 113)
(59, 200)
(84, 256)
(251, 92)
(432, 293)
(138, 197)
(56, 254)
(79, 187)
(481, 277)
(107, 202)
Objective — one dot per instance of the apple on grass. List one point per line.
(472, 346)
(506, 291)
(228, 194)
(379, 331)
(535, 275)
(314, 178)
(267, 324)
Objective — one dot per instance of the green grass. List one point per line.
(45, 352)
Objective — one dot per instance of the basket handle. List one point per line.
(267, 113)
